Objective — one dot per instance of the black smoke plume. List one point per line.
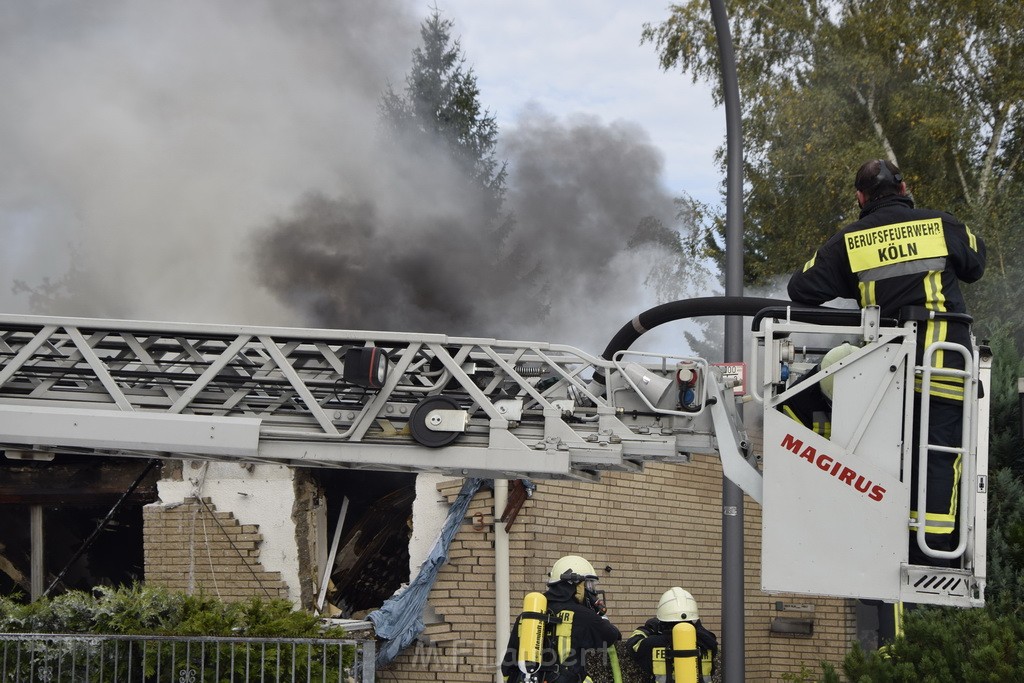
(401, 260)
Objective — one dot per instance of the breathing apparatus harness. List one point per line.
(544, 639)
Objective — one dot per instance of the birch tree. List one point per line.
(935, 87)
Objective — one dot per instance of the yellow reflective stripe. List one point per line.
(659, 666)
(935, 522)
(810, 263)
(944, 522)
(896, 243)
(563, 634)
(935, 300)
(950, 390)
(953, 500)
(949, 395)
(789, 411)
(972, 241)
(951, 382)
(867, 293)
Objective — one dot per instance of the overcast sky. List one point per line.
(584, 56)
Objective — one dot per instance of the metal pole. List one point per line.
(36, 562)
(733, 627)
(502, 603)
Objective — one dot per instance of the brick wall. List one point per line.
(643, 533)
(459, 644)
(193, 547)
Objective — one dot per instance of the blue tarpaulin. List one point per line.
(400, 619)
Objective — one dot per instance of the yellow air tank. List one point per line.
(684, 655)
(531, 634)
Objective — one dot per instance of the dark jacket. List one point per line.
(654, 639)
(896, 256)
(587, 632)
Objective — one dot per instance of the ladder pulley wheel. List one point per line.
(423, 434)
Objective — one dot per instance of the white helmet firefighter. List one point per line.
(576, 571)
(556, 628)
(677, 605)
(658, 646)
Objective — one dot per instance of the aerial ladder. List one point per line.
(390, 401)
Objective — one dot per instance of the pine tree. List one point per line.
(441, 102)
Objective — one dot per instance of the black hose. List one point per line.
(690, 308)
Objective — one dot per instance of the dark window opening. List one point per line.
(372, 560)
(75, 494)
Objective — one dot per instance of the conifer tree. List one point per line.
(441, 102)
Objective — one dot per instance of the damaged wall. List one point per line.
(286, 528)
(277, 511)
(643, 533)
(429, 511)
(193, 547)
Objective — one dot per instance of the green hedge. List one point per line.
(144, 611)
(147, 610)
(944, 645)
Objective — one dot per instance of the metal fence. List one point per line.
(47, 658)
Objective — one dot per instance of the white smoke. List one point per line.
(151, 148)
(143, 141)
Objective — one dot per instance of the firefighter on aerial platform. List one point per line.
(909, 262)
(651, 644)
(906, 260)
(576, 622)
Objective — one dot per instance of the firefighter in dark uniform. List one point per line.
(579, 624)
(897, 256)
(651, 644)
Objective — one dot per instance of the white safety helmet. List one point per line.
(677, 605)
(833, 356)
(571, 568)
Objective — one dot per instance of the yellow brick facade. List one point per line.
(643, 533)
(195, 548)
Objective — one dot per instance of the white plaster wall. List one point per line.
(429, 510)
(256, 494)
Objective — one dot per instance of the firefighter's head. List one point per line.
(878, 178)
(579, 573)
(677, 605)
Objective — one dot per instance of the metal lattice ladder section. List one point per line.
(282, 395)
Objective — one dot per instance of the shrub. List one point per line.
(943, 644)
(149, 610)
